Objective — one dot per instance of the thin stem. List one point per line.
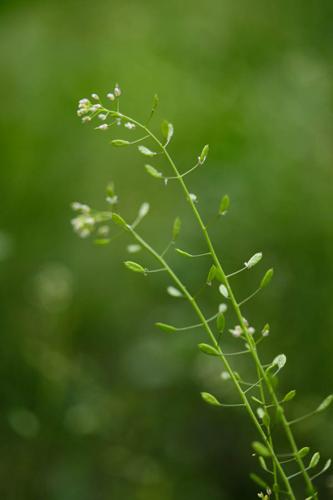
(236, 272)
(228, 367)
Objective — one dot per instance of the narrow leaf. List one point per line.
(134, 266)
(314, 460)
(153, 172)
(261, 449)
(210, 399)
(254, 260)
(165, 327)
(325, 404)
(220, 322)
(267, 278)
(224, 205)
(145, 151)
(176, 228)
(224, 291)
(208, 349)
(119, 143)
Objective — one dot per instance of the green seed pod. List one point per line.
(254, 260)
(117, 219)
(203, 155)
(303, 451)
(134, 266)
(119, 143)
(261, 449)
(167, 131)
(224, 205)
(289, 396)
(183, 253)
(267, 278)
(208, 349)
(145, 151)
(220, 322)
(165, 327)
(211, 274)
(325, 404)
(314, 460)
(210, 399)
(176, 228)
(153, 172)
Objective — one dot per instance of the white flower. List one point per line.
(102, 116)
(237, 331)
(112, 200)
(86, 119)
(95, 96)
(193, 197)
(103, 230)
(83, 225)
(110, 96)
(117, 91)
(251, 330)
(129, 125)
(80, 207)
(95, 107)
(104, 126)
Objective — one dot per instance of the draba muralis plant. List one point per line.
(259, 399)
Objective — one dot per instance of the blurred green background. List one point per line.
(95, 403)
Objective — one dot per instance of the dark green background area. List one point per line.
(95, 403)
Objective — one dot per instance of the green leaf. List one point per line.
(303, 451)
(145, 151)
(224, 205)
(224, 291)
(211, 274)
(203, 155)
(208, 349)
(119, 143)
(267, 278)
(289, 396)
(220, 322)
(153, 172)
(325, 404)
(165, 327)
(117, 219)
(167, 131)
(176, 228)
(261, 449)
(210, 399)
(314, 460)
(134, 266)
(260, 482)
(280, 361)
(253, 260)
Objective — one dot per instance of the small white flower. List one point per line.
(225, 376)
(222, 308)
(95, 96)
(86, 119)
(193, 197)
(80, 207)
(133, 248)
(102, 116)
(83, 225)
(237, 331)
(110, 96)
(118, 121)
(129, 125)
(117, 91)
(112, 200)
(95, 107)
(84, 102)
(251, 330)
(104, 126)
(103, 230)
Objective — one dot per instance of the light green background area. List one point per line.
(96, 404)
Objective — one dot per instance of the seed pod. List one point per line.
(210, 399)
(224, 205)
(261, 449)
(267, 278)
(134, 266)
(153, 172)
(165, 327)
(145, 151)
(208, 349)
(119, 143)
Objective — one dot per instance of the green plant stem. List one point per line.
(239, 315)
(228, 367)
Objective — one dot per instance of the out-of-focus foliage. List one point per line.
(96, 403)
